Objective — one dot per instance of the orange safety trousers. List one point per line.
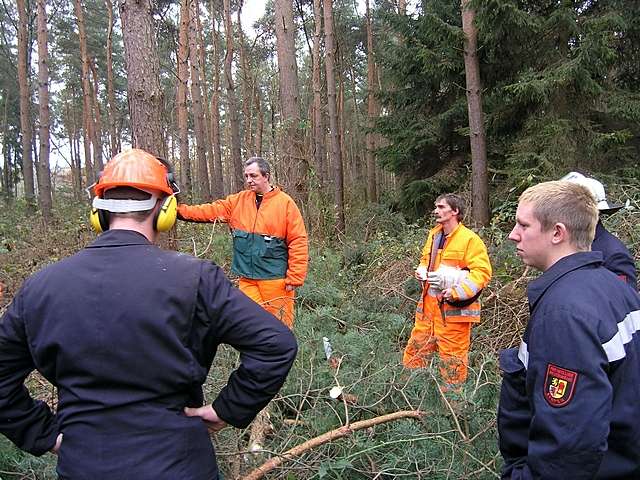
(432, 334)
(271, 295)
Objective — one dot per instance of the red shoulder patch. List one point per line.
(559, 385)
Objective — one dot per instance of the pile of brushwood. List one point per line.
(380, 420)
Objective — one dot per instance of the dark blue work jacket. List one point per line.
(615, 255)
(128, 333)
(570, 398)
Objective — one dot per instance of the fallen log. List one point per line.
(327, 437)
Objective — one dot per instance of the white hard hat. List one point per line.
(597, 190)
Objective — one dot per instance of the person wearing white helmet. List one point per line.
(615, 255)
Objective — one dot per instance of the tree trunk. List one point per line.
(202, 48)
(76, 163)
(232, 103)
(25, 105)
(181, 98)
(260, 120)
(217, 183)
(295, 165)
(336, 154)
(480, 194)
(272, 115)
(7, 171)
(372, 111)
(202, 182)
(71, 126)
(87, 107)
(319, 136)
(247, 90)
(402, 7)
(44, 193)
(111, 96)
(97, 116)
(143, 91)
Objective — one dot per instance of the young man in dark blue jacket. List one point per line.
(569, 400)
(127, 332)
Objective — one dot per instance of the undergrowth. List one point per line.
(361, 295)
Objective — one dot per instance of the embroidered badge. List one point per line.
(559, 385)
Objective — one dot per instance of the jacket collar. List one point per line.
(440, 229)
(599, 229)
(271, 193)
(119, 238)
(539, 286)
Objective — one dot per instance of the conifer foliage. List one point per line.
(560, 90)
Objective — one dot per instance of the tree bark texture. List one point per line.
(181, 98)
(232, 104)
(293, 161)
(336, 154)
(202, 181)
(259, 119)
(217, 183)
(144, 94)
(319, 135)
(247, 90)
(7, 171)
(372, 190)
(25, 104)
(44, 193)
(87, 108)
(204, 87)
(97, 116)
(479, 182)
(111, 96)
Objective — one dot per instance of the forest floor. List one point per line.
(361, 295)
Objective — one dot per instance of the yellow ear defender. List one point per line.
(166, 216)
(99, 220)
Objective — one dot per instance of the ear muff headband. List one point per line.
(166, 215)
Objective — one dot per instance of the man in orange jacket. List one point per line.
(454, 268)
(270, 251)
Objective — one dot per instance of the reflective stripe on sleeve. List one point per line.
(614, 348)
(461, 313)
(471, 286)
(460, 291)
(523, 354)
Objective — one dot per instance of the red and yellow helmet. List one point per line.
(138, 169)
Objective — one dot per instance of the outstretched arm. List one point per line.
(208, 212)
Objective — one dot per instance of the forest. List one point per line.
(367, 110)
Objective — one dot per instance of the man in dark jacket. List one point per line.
(616, 256)
(127, 332)
(569, 399)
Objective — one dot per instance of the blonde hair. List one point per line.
(568, 203)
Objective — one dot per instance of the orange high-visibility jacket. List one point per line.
(463, 249)
(269, 242)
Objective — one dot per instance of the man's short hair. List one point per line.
(568, 203)
(456, 202)
(263, 165)
(129, 193)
